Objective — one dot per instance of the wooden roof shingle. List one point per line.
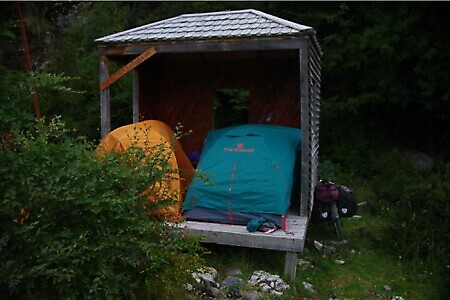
(248, 23)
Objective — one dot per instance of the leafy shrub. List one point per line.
(420, 223)
(72, 224)
(413, 204)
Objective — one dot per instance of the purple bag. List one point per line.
(326, 192)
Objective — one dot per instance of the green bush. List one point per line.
(72, 224)
(413, 204)
(420, 223)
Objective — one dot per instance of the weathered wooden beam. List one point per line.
(290, 265)
(127, 68)
(104, 99)
(305, 184)
(205, 46)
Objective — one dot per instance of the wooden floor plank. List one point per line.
(235, 235)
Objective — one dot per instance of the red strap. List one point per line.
(230, 192)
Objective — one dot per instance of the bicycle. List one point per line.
(327, 194)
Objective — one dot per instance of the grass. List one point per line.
(369, 271)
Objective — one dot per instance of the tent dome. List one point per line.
(147, 135)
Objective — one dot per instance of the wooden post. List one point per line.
(135, 96)
(105, 110)
(305, 183)
(290, 265)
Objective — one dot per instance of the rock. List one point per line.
(265, 288)
(303, 262)
(339, 261)
(309, 287)
(188, 287)
(250, 296)
(232, 285)
(387, 288)
(234, 293)
(215, 293)
(318, 245)
(230, 282)
(205, 274)
(276, 293)
(419, 160)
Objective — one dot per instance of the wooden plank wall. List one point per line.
(314, 112)
(180, 88)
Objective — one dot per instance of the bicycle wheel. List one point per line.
(336, 221)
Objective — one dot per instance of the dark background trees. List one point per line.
(385, 65)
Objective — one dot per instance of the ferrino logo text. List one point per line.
(239, 148)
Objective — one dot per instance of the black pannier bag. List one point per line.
(324, 193)
(346, 202)
(321, 212)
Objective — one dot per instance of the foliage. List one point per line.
(15, 101)
(77, 55)
(420, 218)
(16, 89)
(230, 107)
(361, 267)
(73, 224)
(384, 67)
(412, 204)
(383, 70)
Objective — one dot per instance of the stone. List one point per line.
(265, 288)
(250, 296)
(188, 287)
(318, 245)
(215, 293)
(231, 282)
(234, 293)
(205, 274)
(309, 287)
(276, 293)
(419, 160)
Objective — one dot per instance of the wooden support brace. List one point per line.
(290, 265)
(127, 68)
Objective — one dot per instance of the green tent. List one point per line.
(250, 171)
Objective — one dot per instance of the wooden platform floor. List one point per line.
(236, 235)
(291, 241)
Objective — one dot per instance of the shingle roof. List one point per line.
(247, 23)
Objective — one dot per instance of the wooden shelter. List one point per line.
(180, 62)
